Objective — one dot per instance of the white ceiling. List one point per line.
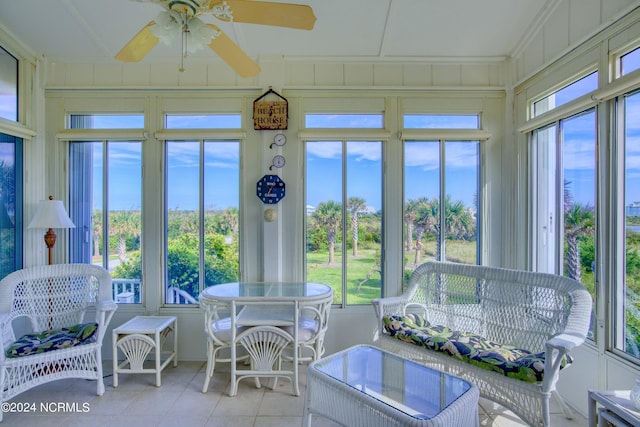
(95, 30)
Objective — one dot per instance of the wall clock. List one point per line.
(270, 189)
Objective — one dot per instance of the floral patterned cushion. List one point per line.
(82, 333)
(507, 360)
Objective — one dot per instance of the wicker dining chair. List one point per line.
(264, 345)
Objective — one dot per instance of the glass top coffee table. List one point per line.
(366, 386)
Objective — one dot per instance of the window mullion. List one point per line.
(105, 204)
(201, 263)
(443, 195)
(343, 232)
(559, 214)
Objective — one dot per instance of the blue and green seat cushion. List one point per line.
(37, 343)
(508, 360)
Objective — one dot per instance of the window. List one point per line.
(564, 195)
(106, 121)
(106, 177)
(627, 317)
(438, 173)
(441, 173)
(8, 86)
(441, 121)
(351, 121)
(203, 121)
(566, 94)
(343, 193)
(629, 62)
(202, 216)
(10, 204)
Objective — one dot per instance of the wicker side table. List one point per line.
(365, 386)
(611, 407)
(137, 338)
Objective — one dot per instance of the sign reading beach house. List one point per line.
(270, 115)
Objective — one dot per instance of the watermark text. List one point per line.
(45, 407)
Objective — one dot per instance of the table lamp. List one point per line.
(51, 214)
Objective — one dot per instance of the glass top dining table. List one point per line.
(266, 291)
(260, 303)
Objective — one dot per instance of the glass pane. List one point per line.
(564, 193)
(124, 222)
(324, 214)
(545, 195)
(8, 86)
(461, 201)
(221, 220)
(630, 62)
(107, 121)
(628, 311)
(441, 121)
(364, 220)
(203, 121)
(344, 121)
(421, 203)
(121, 252)
(568, 93)
(10, 205)
(579, 198)
(183, 223)
(86, 203)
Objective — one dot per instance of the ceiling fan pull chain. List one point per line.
(185, 30)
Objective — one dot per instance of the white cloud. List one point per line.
(364, 150)
(325, 149)
(461, 154)
(580, 155)
(421, 154)
(426, 155)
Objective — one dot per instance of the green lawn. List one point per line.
(319, 271)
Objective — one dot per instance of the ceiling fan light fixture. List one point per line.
(199, 35)
(195, 34)
(168, 24)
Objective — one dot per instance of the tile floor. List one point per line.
(180, 402)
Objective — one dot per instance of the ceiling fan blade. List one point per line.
(233, 55)
(288, 15)
(138, 47)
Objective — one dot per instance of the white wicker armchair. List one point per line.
(534, 311)
(53, 298)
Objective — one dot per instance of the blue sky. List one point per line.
(364, 158)
(323, 167)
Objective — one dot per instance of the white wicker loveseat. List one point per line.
(54, 300)
(446, 306)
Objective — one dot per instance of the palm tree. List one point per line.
(578, 222)
(230, 216)
(124, 224)
(458, 219)
(7, 182)
(409, 219)
(459, 222)
(355, 205)
(327, 216)
(423, 211)
(96, 227)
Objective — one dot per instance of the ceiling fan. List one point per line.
(182, 18)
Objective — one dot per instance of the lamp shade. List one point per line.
(51, 214)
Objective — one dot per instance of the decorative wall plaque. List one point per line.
(270, 115)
